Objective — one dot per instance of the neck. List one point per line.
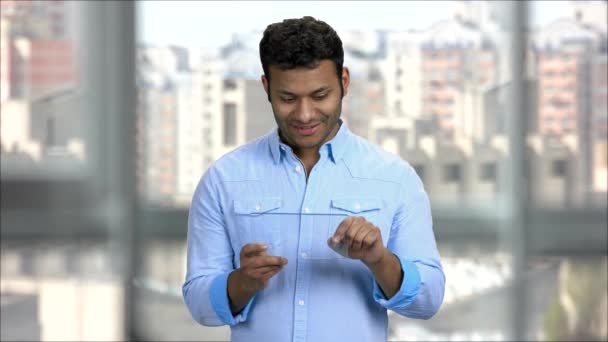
(309, 157)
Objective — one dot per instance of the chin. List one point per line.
(307, 143)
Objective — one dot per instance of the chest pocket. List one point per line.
(258, 220)
(340, 209)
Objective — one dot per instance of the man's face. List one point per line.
(306, 103)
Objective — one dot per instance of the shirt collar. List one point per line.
(338, 144)
(335, 147)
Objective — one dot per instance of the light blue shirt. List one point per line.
(259, 193)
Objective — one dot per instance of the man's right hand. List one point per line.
(257, 267)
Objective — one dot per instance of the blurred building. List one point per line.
(189, 146)
(201, 126)
(38, 68)
(459, 175)
(571, 58)
(428, 70)
(437, 97)
(364, 53)
(403, 75)
(189, 117)
(39, 79)
(38, 55)
(487, 15)
(241, 57)
(39, 283)
(556, 180)
(259, 116)
(40, 19)
(168, 116)
(566, 52)
(15, 124)
(156, 134)
(455, 55)
(599, 80)
(467, 168)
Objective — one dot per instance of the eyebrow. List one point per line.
(316, 91)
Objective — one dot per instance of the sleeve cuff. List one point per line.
(218, 295)
(407, 292)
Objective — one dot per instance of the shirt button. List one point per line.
(300, 302)
(298, 168)
(304, 255)
(357, 206)
(257, 207)
(306, 210)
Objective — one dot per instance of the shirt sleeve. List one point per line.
(209, 259)
(410, 285)
(413, 242)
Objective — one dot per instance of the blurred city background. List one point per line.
(111, 111)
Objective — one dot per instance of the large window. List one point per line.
(112, 111)
(454, 110)
(67, 127)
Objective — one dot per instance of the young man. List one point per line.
(310, 233)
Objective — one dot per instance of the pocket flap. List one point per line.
(357, 205)
(254, 206)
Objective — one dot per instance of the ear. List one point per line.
(345, 79)
(265, 84)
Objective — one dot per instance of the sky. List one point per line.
(210, 24)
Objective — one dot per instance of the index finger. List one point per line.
(265, 261)
(342, 229)
(252, 249)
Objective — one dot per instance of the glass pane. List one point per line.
(62, 256)
(59, 289)
(432, 91)
(430, 83)
(569, 298)
(43, 129)
(567, 130)
(478, 281)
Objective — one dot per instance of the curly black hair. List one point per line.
(300, 42)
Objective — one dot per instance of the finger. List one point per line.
(255, 271)
(353, 231)
(266, 260)
(252, 249)
(266, 276)
(270, 273)
(260, 272)
(342, 229)
(357, 242)
(371, 238)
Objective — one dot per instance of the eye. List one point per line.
(319, 97)
(287, 99)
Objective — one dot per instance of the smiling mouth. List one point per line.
(306, 129)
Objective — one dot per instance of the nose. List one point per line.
(304, 112)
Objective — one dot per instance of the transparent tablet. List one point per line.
(273, 229)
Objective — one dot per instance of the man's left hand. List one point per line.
(361, 239)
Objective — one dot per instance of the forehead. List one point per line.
(303, 80)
